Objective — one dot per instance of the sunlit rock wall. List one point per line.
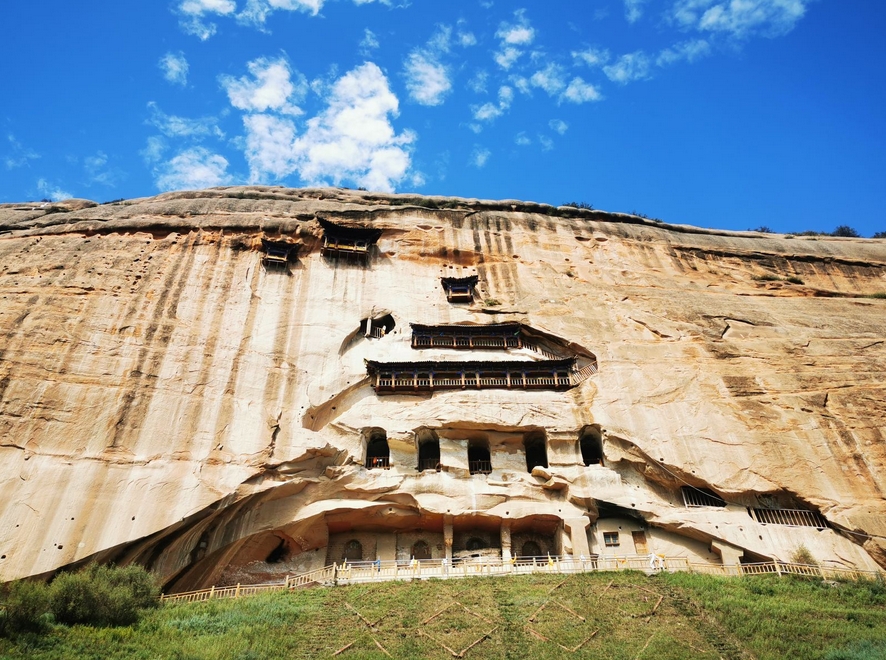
(168, 400)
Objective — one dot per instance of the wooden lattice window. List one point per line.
(694, 497)
(610, 539)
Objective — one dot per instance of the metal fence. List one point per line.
(424, 569)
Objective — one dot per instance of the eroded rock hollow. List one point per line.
(234, 384)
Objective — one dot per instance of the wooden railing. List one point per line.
(422, 569)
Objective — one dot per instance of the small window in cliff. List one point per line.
(377, 328)
(353, 243)
(701, 497)
(591, 445)
(353, 551)
(459, 289)
(479, 459)
(277, 254)
(536, 452)
(428, 450)
(530, 549)
(377, 453)
(610, 539)
(789, 517)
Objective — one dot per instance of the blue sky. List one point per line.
(716, 113)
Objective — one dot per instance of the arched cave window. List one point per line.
(378, 456)
(475, 543)
(420, 550)
(428, 450)
(536, 452)
(591, 443)
(530, 549)
(353, 551)
(479, 459)
(377, 328)
(278, 554)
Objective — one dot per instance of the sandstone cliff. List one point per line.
(168, 396)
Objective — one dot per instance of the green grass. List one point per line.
(698, 618)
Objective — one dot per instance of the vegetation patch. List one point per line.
(621, 616)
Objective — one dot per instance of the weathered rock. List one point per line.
(166, 399)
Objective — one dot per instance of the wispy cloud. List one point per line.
(627, 68)
(270, 87)
(478, 81)
(490, 111)
(351, 140)
(52, 191)
(18, 155)
(175, 68)
(428, 79)
(634, 10)
(193, 15)
(579, 91)
(480, 156)
(740, 18)
(551, 79)
(522, 140)
(183, 127)
(513, 37)
(193, 169)
(688, 51)
(464, 37)
(98, 170)
(592, 57)
(257, 11)
(559, 126)
(369, 43)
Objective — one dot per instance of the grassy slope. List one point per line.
(698, 617)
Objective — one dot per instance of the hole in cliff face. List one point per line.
(377, 451)
(591, 445)
(278, 554)
(428, 450)
(377, 328)
(536, 451)
(479, 458)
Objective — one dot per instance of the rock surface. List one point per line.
(166, 399)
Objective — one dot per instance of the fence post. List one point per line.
(211, 592)
(237, 591)
(778, 569)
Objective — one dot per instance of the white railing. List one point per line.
(423, 569)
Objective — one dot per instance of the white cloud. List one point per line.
(257, 11)
(183, 127)
(97, 170)
(352, 139)
(193, 169)
(465, 38)
(522, 84)
(579, 91)
(591, 56)
(491, 111)
(477, 84)
(634, 10)
(270, 88)
(518, 33)
(154, 149)
(559, 126)
(369, 42)
(51, 191)
(19, 156)
(551, 79)
(506, 57)
(522, 140)
(480, 157)
(270, 146)
(686, 50)
(511, 36)
(627, 68)
(740, 18)
(546, 143)
(426, 79)
(192, 14)
(175, 68)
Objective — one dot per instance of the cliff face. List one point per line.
(170, 396)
